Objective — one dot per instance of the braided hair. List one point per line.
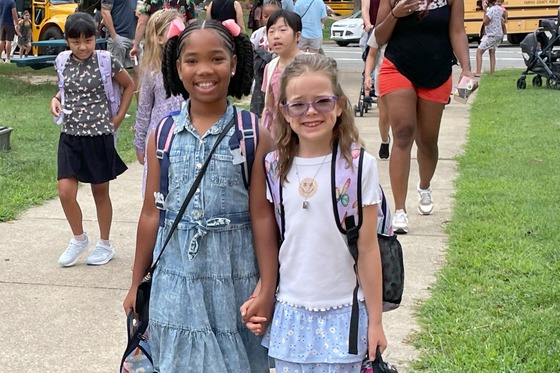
(240, 46)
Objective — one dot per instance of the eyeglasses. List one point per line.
(298, 109)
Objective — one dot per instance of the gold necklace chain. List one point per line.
(308, 187)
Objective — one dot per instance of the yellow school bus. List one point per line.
(341, 7)
(48, 18)
(523, 17)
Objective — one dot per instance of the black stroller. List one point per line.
(540, 57)
(365, 103)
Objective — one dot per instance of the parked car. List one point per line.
(348, 30)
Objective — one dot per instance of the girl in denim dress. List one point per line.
(309, 331)
(209, 267)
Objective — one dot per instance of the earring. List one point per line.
(232, 73)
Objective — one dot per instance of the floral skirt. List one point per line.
(315, 338)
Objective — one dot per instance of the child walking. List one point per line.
(86, 148)
(493, 35)
(283, 31)
(24, 39)
(309, 329)
(209, 268)
(153, 104)
(262, 55)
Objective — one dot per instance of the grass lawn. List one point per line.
(28, 170)
(495, 305)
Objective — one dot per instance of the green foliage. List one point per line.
(28, 170)
(494, 307)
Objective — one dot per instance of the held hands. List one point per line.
(252, 308)
(404, 8)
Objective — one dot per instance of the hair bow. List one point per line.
(232, 27)
(175, 29)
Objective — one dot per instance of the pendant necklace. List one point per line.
(308, 186)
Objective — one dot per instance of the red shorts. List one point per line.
(391, 80)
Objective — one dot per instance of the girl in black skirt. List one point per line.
(86, 149)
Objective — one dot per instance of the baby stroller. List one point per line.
(540, 57)
(365, 102)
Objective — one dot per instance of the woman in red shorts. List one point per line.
(415, 85)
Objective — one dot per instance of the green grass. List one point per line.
(28, 170)
(495, 305)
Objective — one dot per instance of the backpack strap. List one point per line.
(60, 65)
(269, 72)
(275, 188)
(165, 132)
(104, 63)
(243, 145)
(346, 189)
(248, 124)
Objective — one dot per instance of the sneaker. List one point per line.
(384, 150)
(400, 222)
(425, 202)
(101, 255)
(75, 248)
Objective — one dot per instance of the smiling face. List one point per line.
(313, 128)
(281, 37)
(82, 48)
(205, 66)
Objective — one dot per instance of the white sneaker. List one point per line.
(400, 222)
(101, 255)
(425, 202)
(75, 248)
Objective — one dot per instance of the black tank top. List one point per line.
(223, 9)
(420, 47)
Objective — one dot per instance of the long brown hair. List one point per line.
(344, 131)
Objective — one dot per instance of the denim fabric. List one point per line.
(208, 268)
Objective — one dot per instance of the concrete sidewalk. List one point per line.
(62, 320)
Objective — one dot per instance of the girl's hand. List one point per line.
(140, 157)
(256, 313)
(367, 83)
(404, 8)
(129, 302)
(469, 74)
(116, 120)
(56, 107)
(376, 338)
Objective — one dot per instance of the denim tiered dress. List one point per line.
(209, 267)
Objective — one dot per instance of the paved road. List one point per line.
(350, 58)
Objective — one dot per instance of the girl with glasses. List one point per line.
(309, 329)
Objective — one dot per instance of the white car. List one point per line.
(348, 30)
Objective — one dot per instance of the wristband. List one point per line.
(56, 98)
(393, 14)
(252, 296)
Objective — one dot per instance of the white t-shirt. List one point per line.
(259, 39)
(316, 268)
